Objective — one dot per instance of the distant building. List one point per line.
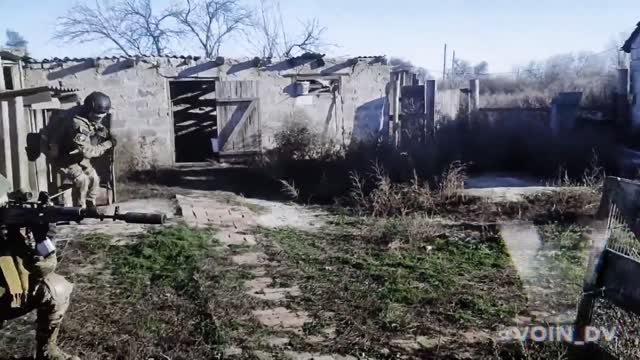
(632, 47)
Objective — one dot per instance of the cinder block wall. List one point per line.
(142, 113)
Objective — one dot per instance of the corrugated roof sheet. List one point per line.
(183, 57)
(634, 35)
(35, 90)
(121, 57)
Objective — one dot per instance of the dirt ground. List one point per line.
(244, 278)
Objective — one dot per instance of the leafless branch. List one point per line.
(310, 40)
(270, 33)
(130, 24)
(211, 22)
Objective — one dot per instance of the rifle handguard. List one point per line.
(142, 218)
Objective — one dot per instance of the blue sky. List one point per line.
(502, 32)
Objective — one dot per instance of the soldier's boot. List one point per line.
(54, 303)
(47, 342)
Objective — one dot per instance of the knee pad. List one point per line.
(59, 289)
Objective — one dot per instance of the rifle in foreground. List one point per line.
(21, 211)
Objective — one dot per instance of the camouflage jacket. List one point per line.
(76, 140)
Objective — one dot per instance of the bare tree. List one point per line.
(269, 35)
(211, 22)
(130, 25)
(139, 18)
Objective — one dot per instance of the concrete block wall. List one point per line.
(142, 111)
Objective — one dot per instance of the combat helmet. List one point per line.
(97, 103)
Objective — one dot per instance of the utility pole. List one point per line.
(453, 64)
(444, 66)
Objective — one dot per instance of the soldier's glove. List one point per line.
(43, 236)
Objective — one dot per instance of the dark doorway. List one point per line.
(194, 119)
(8, 78)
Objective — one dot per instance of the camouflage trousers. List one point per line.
(50, 298)
(85, 184)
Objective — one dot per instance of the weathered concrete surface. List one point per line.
(259, 288)
(142, 114)
(233, 221)
(508, 194)
(281, 318)
(280, 214)
(523, 243)
(251, 258)
(507, 187)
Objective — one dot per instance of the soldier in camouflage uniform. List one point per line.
(28, 282)
(75, 137)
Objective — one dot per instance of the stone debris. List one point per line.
(282, 319)
(259, 288)
(250, 258)
(278, 341)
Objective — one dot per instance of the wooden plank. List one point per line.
(42, 97)
(41, 162)
(5, 142)
(53, 104)
(18, 130)
(232, 100)
(238, 117)
(239, 132)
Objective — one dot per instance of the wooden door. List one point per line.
(238, 118)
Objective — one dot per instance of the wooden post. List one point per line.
(622, 100)
(18, 132)
(5, 137)
(474, 87)
(430, 104)
(396, 112)
(444, 65)
(41, 177)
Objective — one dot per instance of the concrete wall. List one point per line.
(141, 105)
(447, 104)
(635, 83)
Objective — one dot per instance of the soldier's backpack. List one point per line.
(49, 139)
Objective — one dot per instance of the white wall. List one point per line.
(142, 116)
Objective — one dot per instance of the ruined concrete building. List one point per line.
(186, 109)
(632, 47)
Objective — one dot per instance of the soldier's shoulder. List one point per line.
(80, 122)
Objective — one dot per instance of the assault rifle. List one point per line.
(21, 211)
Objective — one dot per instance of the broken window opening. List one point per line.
(317, 85)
